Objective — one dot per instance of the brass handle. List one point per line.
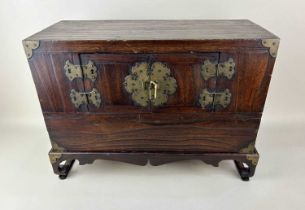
(153, 85)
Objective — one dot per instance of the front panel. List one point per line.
(197, 82)
(168, 132)
(177, 82)
(134, 99)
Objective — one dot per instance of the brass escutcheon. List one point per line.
(150, 83)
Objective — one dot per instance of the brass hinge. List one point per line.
(73, 71)
(208, 99)
(80, 98)
(211, 69)
(29, 46)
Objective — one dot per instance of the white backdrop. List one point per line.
(26, 177)
(19, 19)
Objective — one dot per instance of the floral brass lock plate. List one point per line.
(150, 83)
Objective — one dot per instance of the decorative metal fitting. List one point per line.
(56, 152)
(253, 158)
(80, 98)
(29, 46)
(80, 71)
(249, 149)
(211, 69)
(54, 157)
(272, 44)
(210, 99)
(150, 83)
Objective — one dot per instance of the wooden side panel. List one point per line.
(206, 132)
(52, 85)
(254, 74)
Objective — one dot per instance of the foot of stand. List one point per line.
(65, 169)
(245, 170)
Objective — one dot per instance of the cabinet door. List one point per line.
(149, 82)
(223, 76)
(239, 81)
(111, 70)
(54, 81)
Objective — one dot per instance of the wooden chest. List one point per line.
(152, 91)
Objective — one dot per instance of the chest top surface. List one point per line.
(112, 30)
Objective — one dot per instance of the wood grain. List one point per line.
(113, 68)
(52, 85)
(153, 132)
(119, 130)
(153, 30)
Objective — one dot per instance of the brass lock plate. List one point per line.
(150, 83)
(210, 99)
(73, 71)
(80, 98)
(213, 69)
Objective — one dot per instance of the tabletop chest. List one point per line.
(152, 91)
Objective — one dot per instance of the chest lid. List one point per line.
(128, 30)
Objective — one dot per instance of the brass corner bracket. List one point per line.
(272, 44)
(253, 158)
(249, 149)
(29, 46)
(55, 153)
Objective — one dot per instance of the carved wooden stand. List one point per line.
(62, 162)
